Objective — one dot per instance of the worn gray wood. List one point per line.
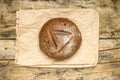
(7, 33)
(105, 71)
(109, 50)
(107, 44)
(10, 32)
(108, 67)
(8, 10)
(7, 49)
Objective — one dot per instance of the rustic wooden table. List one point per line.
(108, 67)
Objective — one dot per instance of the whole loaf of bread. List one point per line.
(60, 38)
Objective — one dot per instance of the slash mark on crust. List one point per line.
(59, 32)
(58, 50)
(51, 37)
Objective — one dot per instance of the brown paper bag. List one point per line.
(29, 23)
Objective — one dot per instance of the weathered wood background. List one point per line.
(108, 67)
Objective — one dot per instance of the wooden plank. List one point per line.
(109, 50)
(45, 4)
(109, 56)
(10, 32)
(8, 10)
(7, 33)
(107, 71)
(108, 44)
(110, 35)
(7, 50)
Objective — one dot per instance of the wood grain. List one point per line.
(10, 32)
(108, 71)
(108, 44)
(110, 35)
(108, 67)
(7, 33)
(7, 50)
(109, 50)
(8, 10)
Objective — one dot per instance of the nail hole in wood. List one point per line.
(6, 48)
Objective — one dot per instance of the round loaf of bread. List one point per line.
(59, 38)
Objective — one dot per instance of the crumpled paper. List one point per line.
(28, 26)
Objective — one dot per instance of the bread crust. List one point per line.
(60, 38)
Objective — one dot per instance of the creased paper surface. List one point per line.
(29, 24)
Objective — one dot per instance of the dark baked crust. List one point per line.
(59, 38)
